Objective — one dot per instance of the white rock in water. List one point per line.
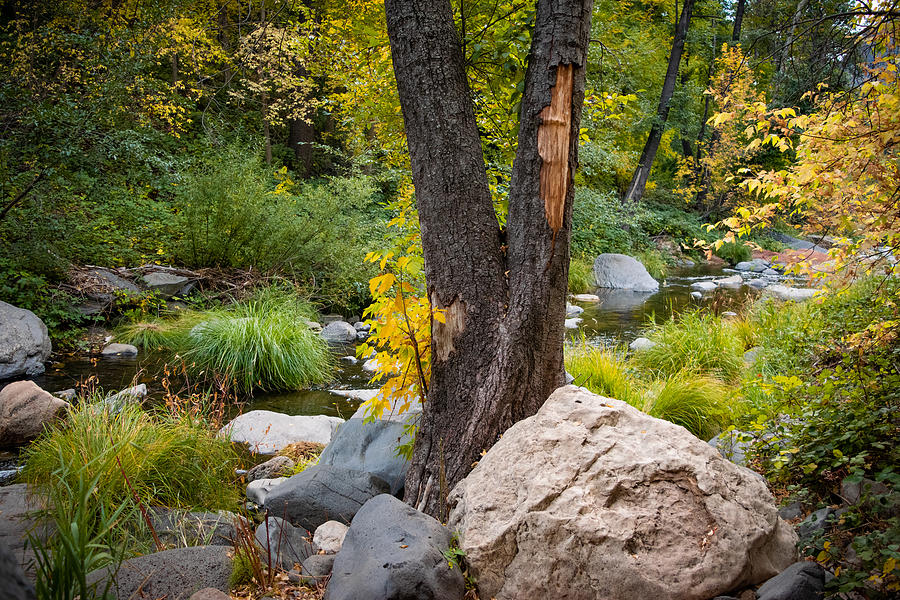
(586, 298)
(735, 281)
(621, 272)
(704, 286)
(267, 432)
(338, 332)
(590, 498)
(641, 343)
(696, 295)
(573, 323)
(120, 350)
(573, 310)
(783, 292)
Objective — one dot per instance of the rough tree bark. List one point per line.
(500, 353)
(738, 21)
(642, 172)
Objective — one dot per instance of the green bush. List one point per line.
(695, 342)
(231, 213)
(733, 252)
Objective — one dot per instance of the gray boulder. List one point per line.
(370, 448)
(172, 574)
(25, 409)
(115, 402)
(317, 568)
(758, 283)
(24, 343)
(285, 544)
(168, 284)
(801, 581)
(13, 583)
(267, 432)
(618, 271)
(120, 350)
(573, 310)
(696, 295)
(338, 332)
(591, 498)
(817, 523)
(391, 412)
(280, 466)
(733, 282)
(394, 552)
(323, 493)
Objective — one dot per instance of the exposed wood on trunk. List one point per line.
(642, 172)
(553, 146)
(500, 354)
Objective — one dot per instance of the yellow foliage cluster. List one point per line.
(845, 176)
(399, 317)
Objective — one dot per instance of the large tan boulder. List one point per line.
(25, 409)
(590, 498)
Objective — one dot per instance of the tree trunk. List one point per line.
(642, 172)
(738, 21)
(301, 136)
(499, 355)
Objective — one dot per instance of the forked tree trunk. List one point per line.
(645, 163)
(500, 353)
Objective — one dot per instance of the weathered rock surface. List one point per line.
(120, 350)
(13, 583)
(172, 574)
(338, 332)
(591, 498)
(391, 412)
(16, 520)
(279, 466)
(801, 581)
(259, 489)
(168, 284)
(317, 567)
(323, 493)
(329, 537)
(285, 544)
(267, 432)
(394, 552)
(24, 343)
(115, 402)
(25, 409)
(370, 448)
(622, 272)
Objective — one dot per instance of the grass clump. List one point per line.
(703, 405)
(97, 473)
(168, 461)
(581, 275)
(733, 252)
(263, 343)
(696, 342)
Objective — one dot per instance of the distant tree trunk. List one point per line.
(642, 172)
(738, 21)
(499, 354)
(789, 41)
(301, 136)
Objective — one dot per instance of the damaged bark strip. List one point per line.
(553, 146)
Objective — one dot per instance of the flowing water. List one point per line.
(618, 318)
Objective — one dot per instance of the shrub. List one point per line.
(696, 342)
(263, 343)
(733, 252)
(232, 214)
